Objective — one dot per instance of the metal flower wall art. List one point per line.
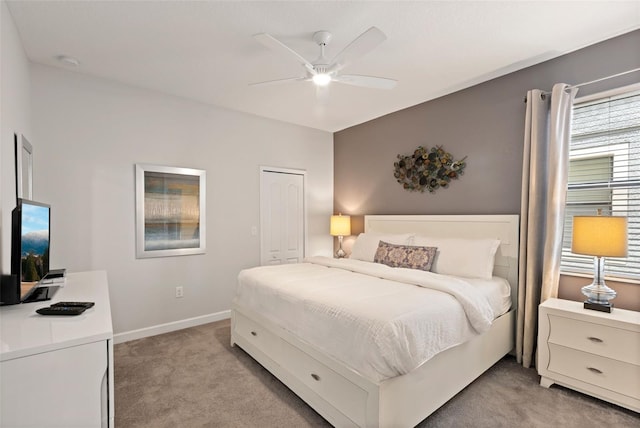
(427, 169)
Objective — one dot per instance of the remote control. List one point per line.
(85, 305)
(55, 273)
(61, 310)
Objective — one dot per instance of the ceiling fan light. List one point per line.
(321, 79)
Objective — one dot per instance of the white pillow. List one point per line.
(471, 258)
(366, 244)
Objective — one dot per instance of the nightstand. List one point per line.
(596, 353)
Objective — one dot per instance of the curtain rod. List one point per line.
(598, 80)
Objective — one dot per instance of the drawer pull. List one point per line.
(595, 339)
(594, 370)
(253, 333)
(315, 377)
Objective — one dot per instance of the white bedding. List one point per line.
(380, 321)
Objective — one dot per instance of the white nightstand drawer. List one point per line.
(596, 370)
(616, 343)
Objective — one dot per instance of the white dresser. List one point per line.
(593, 352)
(57, 371)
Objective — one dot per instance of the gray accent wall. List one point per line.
(484, 122)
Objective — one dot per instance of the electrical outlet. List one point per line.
(179, 292)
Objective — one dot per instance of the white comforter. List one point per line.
(380, 321)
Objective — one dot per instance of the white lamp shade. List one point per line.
(340, 225)
(601, 236)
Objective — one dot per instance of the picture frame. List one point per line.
(170, 211)
(24, 167)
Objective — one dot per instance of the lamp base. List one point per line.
(602, 307)
(340, 253)
(598, 294)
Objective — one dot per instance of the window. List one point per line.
(604, 173)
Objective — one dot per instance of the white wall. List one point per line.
(14, 118)
(89, 133)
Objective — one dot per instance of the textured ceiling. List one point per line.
(204, 50)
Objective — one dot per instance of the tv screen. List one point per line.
(31, 243)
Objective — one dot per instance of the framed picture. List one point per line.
(24, 167)
(170, 211)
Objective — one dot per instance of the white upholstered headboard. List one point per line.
(506, 228)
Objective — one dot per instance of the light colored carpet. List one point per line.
(193, 378)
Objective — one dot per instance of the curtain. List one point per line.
(544, 190)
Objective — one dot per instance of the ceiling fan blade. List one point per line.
(366, 81)
(278, 81)
(362, 45)
(276, 45)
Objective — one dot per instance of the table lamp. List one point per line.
(340, 227)
(599, 236)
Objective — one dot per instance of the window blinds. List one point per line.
(604, 173)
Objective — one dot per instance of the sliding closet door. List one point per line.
(282, 216)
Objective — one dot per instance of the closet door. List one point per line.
(282, 216)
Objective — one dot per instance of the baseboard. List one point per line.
(169, 327)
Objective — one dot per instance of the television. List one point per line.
(30, 248)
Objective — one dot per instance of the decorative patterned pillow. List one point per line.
(405, 256)
(366, 244)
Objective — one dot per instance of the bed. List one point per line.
(349, 395)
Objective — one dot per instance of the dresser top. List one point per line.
(24, 332)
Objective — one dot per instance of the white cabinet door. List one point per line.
(61, 388)
(281, 217)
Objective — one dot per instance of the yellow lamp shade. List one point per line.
(340, 225)
(601, 236)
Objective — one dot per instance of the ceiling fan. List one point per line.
(322, 71)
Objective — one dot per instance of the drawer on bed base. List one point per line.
(257, 335)
(344, 395)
